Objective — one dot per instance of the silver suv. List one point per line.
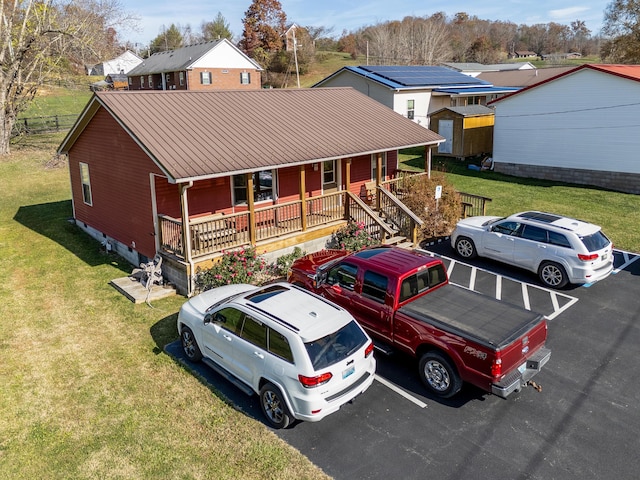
(302, 354)
(559, 249)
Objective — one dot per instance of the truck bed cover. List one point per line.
(463, 312)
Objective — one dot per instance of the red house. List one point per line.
(188, 174)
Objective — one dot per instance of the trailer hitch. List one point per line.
(536, 386)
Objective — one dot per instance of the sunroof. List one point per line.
(540, 216)
(266, 293)
(418, 75)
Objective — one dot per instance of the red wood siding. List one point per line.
(120, 184)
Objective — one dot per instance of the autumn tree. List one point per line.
(36, 39)
(218, 28)
(168, 39)
(622, 27)
(264, 27)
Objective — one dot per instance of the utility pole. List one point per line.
(295, 56)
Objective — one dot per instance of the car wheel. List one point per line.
(273, 406)
(553, 275)
(439, 375)
(466, 248)
(189, 345)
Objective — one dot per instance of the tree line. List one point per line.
(41, 40)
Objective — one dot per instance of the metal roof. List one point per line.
(204, 134)
(476, 90)
(412, 77)
(468, 111)
(180, 59)
(522, 78)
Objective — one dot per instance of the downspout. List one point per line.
(186, 234)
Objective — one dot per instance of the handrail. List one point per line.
(370, 213)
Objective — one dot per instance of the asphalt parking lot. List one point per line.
(583, 424)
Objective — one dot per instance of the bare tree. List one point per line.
(36, 39)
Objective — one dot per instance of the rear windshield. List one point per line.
(335, 347)
(596, 241)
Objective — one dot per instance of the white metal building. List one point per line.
(581, 127)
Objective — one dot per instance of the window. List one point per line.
(130, 81)
(86, 184)
(263, 187)
(536, 234)
(205, 78)
(229, 319)
(336, 346)
(278, 345)
(374, 166)
(328, 171)
(255, 332)
(508, 228)
(411, 108)
(245, 78)
(558, 239)
(374, 286)
(181, 78)
(344, 275)
(150, 77)
(141, 81)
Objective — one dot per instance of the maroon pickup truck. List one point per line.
(404, 300)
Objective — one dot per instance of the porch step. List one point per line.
(394, 240)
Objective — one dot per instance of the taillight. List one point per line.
(496, 367)
(311, 382)
(588, 258)
(368, 350)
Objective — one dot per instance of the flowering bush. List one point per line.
(353, 237)
(237, 266)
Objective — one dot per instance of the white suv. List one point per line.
(559, 249)
(304, 355)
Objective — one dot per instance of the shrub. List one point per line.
(440, 217)
(237, 266)
(285, 261)
(353, 237)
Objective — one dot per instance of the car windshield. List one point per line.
(595, 241)
(492, 221)
(336, 346)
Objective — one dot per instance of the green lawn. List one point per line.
(617, 213)
(87, 392)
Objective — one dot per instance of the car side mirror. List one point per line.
(208, 318)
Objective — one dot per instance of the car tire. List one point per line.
(189, 345)
(439, 375)
(553, 275)
(466, 248)
(274, 407)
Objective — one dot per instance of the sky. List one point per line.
(340, 15)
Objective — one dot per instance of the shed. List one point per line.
(468, 131)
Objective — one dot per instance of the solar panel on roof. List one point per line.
(418, 75)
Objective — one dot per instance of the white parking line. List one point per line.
(399, 391)
(627, 260)
(557, 310)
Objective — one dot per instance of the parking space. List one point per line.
(517, 292)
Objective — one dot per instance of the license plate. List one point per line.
(348, 371)
(604, 256)
(522, 367)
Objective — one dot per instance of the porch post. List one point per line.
(347, 186)
(252, 209)
(378, 178)
(302, 188)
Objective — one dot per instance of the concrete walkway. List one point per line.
(135, 291)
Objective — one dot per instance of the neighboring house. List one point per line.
(213, 65)
(415, 91)
(121, 64)
(523, 54)
(554, 57)
(474, 69)
(468, 131)
(522, 78)
(290, 37)
(578, 127)
(240, 168)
